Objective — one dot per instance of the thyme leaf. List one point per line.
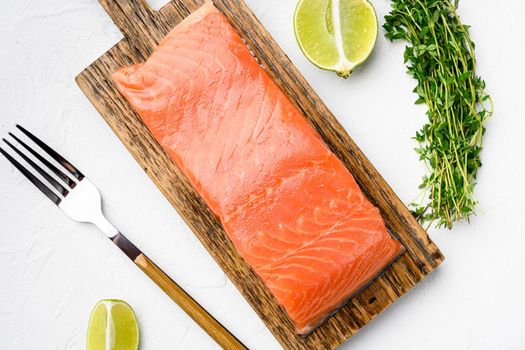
(440, 56)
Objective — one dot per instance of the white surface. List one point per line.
(52, 270)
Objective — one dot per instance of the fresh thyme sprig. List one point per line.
(440, 56)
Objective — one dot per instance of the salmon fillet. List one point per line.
(289, 205)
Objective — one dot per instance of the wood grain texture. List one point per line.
(217, 331)
(143, 28)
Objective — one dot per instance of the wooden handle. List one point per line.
(137, 22)
(217, 331)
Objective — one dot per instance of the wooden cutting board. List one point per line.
(143, 28)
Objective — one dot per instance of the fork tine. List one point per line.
(41, 171)
(66, 164)
(48, 164)
(45, 190)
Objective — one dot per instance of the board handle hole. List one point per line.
(157, 4)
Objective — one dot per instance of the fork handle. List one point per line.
(207, 322)
(217, 331)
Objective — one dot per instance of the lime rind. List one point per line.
(334, 56)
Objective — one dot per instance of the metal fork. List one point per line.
(78, 198)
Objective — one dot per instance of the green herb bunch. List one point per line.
(440, 56)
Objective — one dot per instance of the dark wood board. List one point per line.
(143, 28)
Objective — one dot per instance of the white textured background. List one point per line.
(52, 270)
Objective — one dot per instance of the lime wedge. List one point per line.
(336, 35)
(112, 326)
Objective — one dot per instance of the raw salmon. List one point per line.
(289, 205)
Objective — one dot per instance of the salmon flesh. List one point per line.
(289, 205)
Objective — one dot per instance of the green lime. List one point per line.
(336, 35)
(112, 326)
